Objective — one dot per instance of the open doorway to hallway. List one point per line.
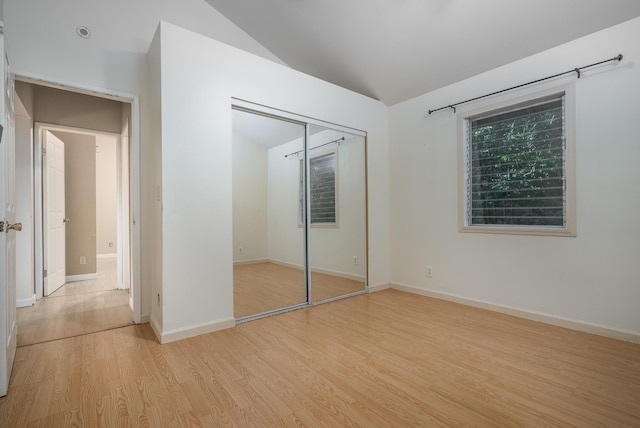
(92, 222)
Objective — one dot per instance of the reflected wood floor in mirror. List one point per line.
(261, 287)
(77, 308)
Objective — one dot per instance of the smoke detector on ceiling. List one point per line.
(83, 31)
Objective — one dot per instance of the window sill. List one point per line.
(523, 230)
(322, 226)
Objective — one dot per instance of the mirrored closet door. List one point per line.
(299, 213)
(337, 213)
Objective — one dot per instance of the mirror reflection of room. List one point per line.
(270, 207)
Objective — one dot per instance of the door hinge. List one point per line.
(44, 273)
(1, 226)
(44, 151)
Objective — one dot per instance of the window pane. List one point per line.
(516, 171)
(323, 189)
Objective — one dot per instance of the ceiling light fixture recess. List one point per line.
(83, 31)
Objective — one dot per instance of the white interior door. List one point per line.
(54, 203)
(8, 327)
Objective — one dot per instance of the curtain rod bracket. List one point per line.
(577, 70)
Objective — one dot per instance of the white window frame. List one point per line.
(464, 117)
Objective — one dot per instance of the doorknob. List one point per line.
(65, 220)
(16, 226)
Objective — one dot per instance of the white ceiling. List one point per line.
(394, 50)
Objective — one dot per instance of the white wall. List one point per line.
(249, 166)
(197, 85)
(593, 278)
(106, 195)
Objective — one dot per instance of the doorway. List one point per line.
(299, 211)
(94, 131)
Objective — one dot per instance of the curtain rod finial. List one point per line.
(619, 57)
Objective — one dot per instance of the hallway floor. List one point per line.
(77, 308)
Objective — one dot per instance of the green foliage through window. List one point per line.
(516, 171)
(322, 176)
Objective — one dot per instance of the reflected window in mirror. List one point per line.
(323, 190)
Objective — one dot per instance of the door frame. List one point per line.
(130, 232)
(123, 214)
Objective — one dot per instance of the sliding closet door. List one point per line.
(337, 211)
(268, 209)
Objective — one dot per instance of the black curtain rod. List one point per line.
(575, 70)
(316, 147)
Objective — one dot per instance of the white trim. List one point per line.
(379, 287)
(250, 262)
(93, 91)
(84, 277)
(319, 270)
(559, 321)
(24, 303)
(250, 107)
(193, 330)
(106, 256)
(145, 318)
(156, 329)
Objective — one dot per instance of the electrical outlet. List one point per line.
(355, 260)
(111, 244)
(83, 260)
(240, 250)
(158, 299)
(429, 271)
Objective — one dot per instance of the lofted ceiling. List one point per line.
(394, 50)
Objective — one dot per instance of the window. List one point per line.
(322, 176)
(518, 174)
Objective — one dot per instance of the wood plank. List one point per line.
(387, 359)
(76, 308)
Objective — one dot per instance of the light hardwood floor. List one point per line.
(386, 359)
(261, 287)
(77, 308)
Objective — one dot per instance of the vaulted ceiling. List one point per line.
(394, 50)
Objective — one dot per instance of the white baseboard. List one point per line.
(23, 303)
(379, 287)
(144, 318)
(107, 256)
(319, 270)
(191, 331)
(287, 264)
(573, 324)
(156, 328)
(250, 262)
(85, 277)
